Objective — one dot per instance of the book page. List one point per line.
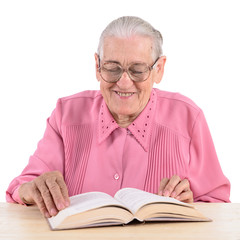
(82, 203)
(134, 199)
(91, 200)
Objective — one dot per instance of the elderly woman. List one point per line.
(128, 134)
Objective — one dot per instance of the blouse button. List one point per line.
(116, 176)
(129, 132)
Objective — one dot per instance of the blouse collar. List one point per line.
(141, 127)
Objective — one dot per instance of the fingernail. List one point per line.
(67, 204)
(53, 212)
(173, 194)
(60, 206)
(166, 193)
(160, 193)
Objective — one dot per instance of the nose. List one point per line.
(125, 82)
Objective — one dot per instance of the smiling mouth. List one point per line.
(124, 94)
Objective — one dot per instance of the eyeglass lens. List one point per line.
(112, 72)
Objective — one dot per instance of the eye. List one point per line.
(111, 67)
(138, 69)
(132, 71)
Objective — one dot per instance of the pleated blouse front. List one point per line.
(170, 137)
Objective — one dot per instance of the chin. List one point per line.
(126, 112)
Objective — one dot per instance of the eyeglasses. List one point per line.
(111, 72)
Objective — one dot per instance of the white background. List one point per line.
(47, 51)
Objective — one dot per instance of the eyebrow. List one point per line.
(111, 61)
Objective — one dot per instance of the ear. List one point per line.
(97, 66)
(159, 69)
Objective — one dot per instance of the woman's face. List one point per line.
(126, 98)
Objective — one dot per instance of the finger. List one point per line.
(25, 193)
(185, 197)
(170, 187)
(56, 193)
(182, 186)
(37, 198)
(162, 186)
(47, 198)
(63, 188)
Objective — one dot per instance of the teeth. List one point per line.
(124, 94)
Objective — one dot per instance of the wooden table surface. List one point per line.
(20, 222)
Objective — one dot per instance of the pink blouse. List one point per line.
(170, 137)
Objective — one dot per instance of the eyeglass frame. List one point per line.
(150, 68)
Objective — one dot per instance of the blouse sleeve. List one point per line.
(49, 156)
(207, 180)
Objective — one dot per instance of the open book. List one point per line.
(100, 209)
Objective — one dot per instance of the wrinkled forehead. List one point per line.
(126, 50)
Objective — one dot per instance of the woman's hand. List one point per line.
(176, 188)
(48, 191)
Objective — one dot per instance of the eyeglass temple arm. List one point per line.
(99, 63)
(153, 65)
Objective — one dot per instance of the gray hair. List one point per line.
(125, 27)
